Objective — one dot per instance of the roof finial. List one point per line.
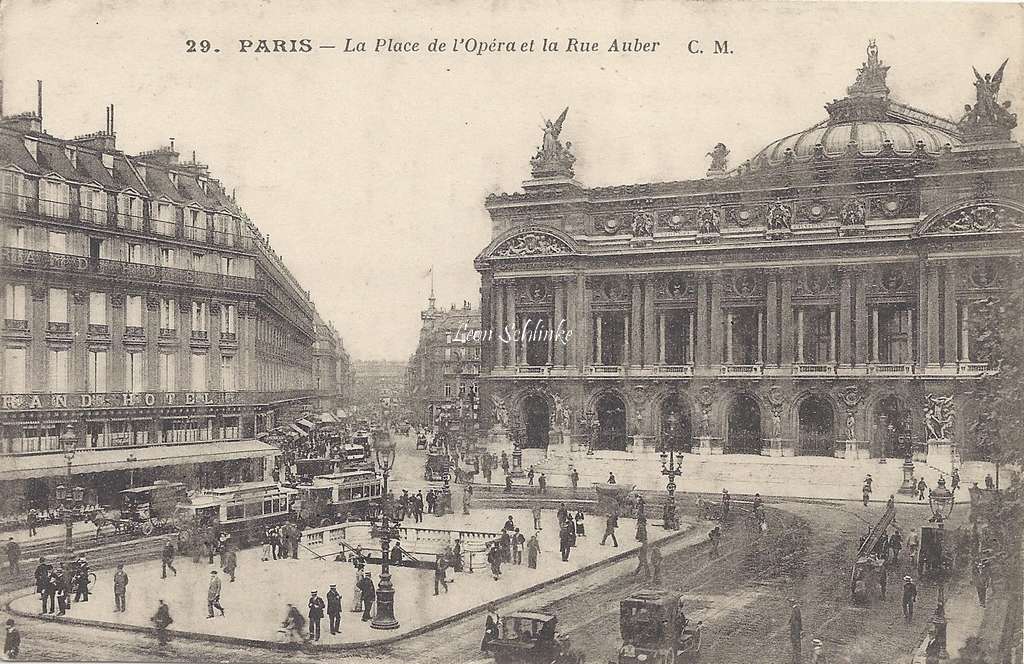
(871, 76)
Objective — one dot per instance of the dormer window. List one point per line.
(32, 145)
(72, 155)
(174, 178)
(108, 162)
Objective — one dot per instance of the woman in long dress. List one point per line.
(357, 592)
(580, 531)
(532, 550)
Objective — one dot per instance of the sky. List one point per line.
(367, 169)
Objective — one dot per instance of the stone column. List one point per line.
(557, 353)
(650, 350)
(786, 321)
(214, 381)
(597, 340)
(716, 326)
(584, 336)
(498, 325)
(701, 347)
(729, 317)
(636, 317)
(760, 337)
(772, 328)
(846, 318)
(116, 361)
(185, 345)
(832, 335)
(933, 315)
(38, 315)
(691, 329)
(78, 320)
(151, 328)
(860, 317)
(874, 334)
(800, 335)
(949, 345)
(965, 334)
(510, 320)
(661, 339)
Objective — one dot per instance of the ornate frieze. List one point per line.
(815, 211)
(533, 292)
(981, 218)
(854, 212)
(643, 223)
(779, 219)
(982, 275)
(744, 216)
(610, 290)
(816, 281)
(743, 285)
(674, 287)
(533, 243)
(892, 281)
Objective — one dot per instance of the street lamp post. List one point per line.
(671, 470)
(66, 495)
(590, 424)
(940, 500)
(388, 530)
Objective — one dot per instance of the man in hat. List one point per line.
(167, 559)
(334, 609)
(120, 588)
(231, 562)
(43, 585)
(316, 614)
(213, 594)
(817, 652)
(909, 597)
(440, 569)
(796, 630)
(726, 499)
(13, 555)
(162, 620)
(12, 640)
(368, 594)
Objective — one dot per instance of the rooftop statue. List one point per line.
(871, 75)
(988, 118)
(553, 158)
(719, 157)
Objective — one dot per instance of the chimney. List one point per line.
(39, 95)
(111, 119)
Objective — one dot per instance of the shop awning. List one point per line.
(103, 460)
(305, 423)
(327, 417)
(301, 432)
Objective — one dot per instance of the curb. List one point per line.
(271, 645)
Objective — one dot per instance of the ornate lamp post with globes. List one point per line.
(940, 500)
(671, 470)
(67, 496)
(387, 529)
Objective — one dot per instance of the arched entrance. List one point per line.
(537, 415)
(817, 427)
(675, 425)
(611, 416)
(744, 426)
(891, 428)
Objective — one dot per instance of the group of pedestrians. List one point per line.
(281, 542)
(56, 583)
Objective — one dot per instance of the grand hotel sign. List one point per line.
(79, 400)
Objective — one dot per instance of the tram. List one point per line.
(354, 494)
(242, 510)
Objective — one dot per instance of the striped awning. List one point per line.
(305, 423)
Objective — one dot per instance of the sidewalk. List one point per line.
(256, 603)
(964, 618)
(789, 477)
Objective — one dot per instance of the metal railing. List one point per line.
(891, 369)
(814, 369)
(742, 369)
(52, 262)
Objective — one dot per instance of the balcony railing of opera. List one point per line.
(741, 370)
(134, 332)
(972, 368)
(72, 212)
(97, 330)
(85, 400)
(199, 336)
(168, 334)
(229, 338)
(879, 369)
(14, 327)
(814, 370)
(65, 263)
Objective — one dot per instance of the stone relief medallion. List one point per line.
(675, 221)
(892, 279)
(611, 225)
(776, 397)
(815, 211)
(706, 396)
(851, 396)
(983, 276)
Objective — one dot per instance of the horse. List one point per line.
(100, 519)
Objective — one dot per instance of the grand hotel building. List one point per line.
(143, 309)
(815, 294)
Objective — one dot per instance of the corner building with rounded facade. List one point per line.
(817, 293)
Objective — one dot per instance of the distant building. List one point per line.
(378, 388)
(444, 369)
(331, 367)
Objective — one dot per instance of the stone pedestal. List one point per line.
(704, 445)
(496, 439)
(776, 447)
(852, 449)
(940, 455)
(908, 487)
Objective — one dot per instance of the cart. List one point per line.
(529, 637)
(655, 630)
(866, 579)
(146, 509)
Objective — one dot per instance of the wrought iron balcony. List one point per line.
(605, 370)
(674, 369)
(31, 259)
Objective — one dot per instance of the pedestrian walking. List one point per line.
(357, 592)
(536, 517)
(504, 462)
(921, 488)
(564, 541)
(367, 594)
(167, 559)
(431, 501)
(275, 542)
(518, 544)
(580, 528)
(505, 545)
(13, 551)
(561, 514)
(213, 595)
(954, 480)
(643, 567)
(715, 537)
(33, 521)
(532, 551)
(294, 625)
(267, 548)
(981, 577)
(457, 564)
(529, 476)
(161, 621)
(80, 580)
(334, 609)
(542, 482)
(231, 563)
(641, 528)
(610, 524)
(909, 597)
(467, 495)
(120, 588)
(440, 569)
(490, 629)
(989, 482)
(796, 630)
(195, 545)
(655, 564)
(574, 478)
(508, 484)
(316, 614)
(895, 545)
(611, 478)
(296, 539)
(866, 492)
(817, 652)
(494, 560)
(726, 501)
(12, 640)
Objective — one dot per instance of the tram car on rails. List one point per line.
(338, 497)
(243, 511)
(656, 631)
(146, 509)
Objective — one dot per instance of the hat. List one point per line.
(313, 592)
(10, 621)
(213, 571)
(907, 578)
(816, 642)
(332, 585)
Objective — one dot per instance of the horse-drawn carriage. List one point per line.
(866, 579)
(145, 509)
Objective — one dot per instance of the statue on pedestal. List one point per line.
(851, 425)
(938, 417)
(552, 158)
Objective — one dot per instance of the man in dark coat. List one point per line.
(167, 559)
(796, 630)
(120, 588)
(609, 529)
(12, 640)
(440, 569)
(490, 629)
(909, 597)
(564, 540)
(13, 556)
(431, 501)
(316, 613)
(43, 585)
(161, 621)
(368, 592)
(334, 609)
